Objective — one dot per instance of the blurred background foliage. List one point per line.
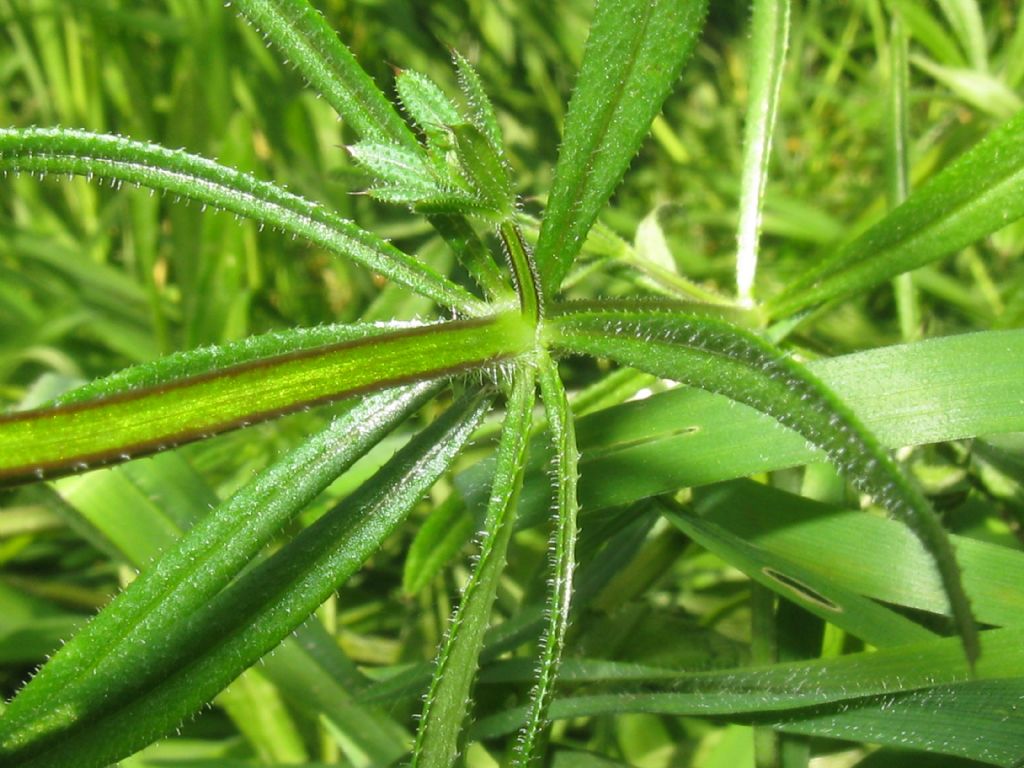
(94, 278)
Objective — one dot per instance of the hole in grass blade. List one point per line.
(801, 590)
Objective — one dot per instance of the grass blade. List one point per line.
(714, 355)
(978, 194)
(74, 437)
(908, 394)
(448, 700)
(313, 673)
(897, 164)
(965, 19)
(250, 617)
(66, 151)
(869, 555)
(634, 54)
(986, 93)
(255, 705)
(790, 685)
(815, 592)
(970, 720)
(826, 689)
(767, 58)
(439, 541)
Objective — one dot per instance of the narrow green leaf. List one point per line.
(907, 394)
(523, 266)
(427, 105)
(633, 56)
(398, 167)
(710, 354)
(305, 39)
(481, 110)
(870, 555)
(65, 151)
(793, 685)
(978, 194)
(448, 700)
(137, 631)
(566, 473)
(473, 254)
(57, 440)
(247, 619)
(484, 168)
(441, 537)
(770, 27)
(858, 615)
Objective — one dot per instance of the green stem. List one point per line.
(75, 437)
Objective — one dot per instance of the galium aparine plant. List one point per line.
(215, 601)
